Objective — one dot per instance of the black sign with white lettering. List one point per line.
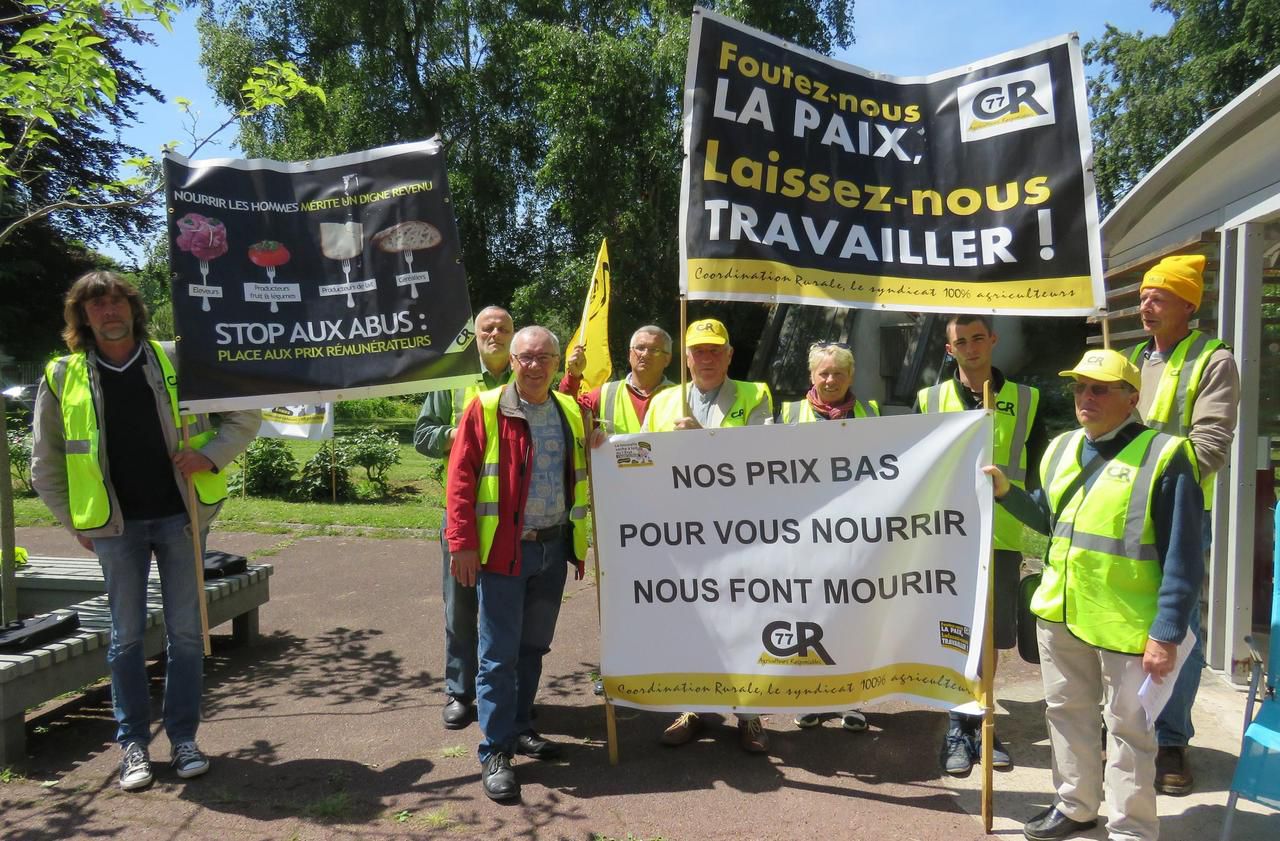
(324, 280)
(810, 181)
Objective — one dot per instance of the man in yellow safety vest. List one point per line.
(1190, 387)
(1122, 506)
(715, 402)
(109, 461)
(517, 503)
(620, 406)
(1019, 440)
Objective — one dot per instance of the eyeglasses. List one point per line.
(528, 360)
(651, 351)
(1096, 389)
(825, 345)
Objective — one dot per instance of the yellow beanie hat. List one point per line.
(1182, 274)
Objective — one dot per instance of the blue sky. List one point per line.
(910, 38)
(902, 37)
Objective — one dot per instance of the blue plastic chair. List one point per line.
(1258, 769)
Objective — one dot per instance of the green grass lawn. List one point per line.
(413, 508)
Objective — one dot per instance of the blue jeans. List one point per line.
(460, 640)
(126, 563)
(517, 621)
(1173, 727)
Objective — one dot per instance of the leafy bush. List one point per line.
(374, 449)
(20, 459)
(378, 408)
(269, 467)
(325, 476)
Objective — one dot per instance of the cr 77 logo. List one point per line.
(782, 639)
(993, 103)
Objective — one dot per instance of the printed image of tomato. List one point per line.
(268, 254)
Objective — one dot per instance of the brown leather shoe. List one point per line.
(1173, 771)
(752, 735)
(682, 730)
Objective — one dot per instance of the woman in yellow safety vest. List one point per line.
(831, 397)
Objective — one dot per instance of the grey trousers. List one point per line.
(1077, 679)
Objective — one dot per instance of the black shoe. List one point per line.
(530, 743)
(499, 778)
(1050, 825)
(456, 714)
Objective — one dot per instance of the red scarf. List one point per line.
(837, 411)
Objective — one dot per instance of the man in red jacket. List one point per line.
(517, 506)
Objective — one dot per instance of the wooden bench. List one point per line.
(49, 584)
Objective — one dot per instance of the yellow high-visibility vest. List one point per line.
(487, 489)
(801, 411)
(1016, 407)
(88, 499)
(667, 407)
(616, 409)
(1102, 573)
(1175, 399)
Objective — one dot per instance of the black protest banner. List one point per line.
(813, 182)
(325, 280)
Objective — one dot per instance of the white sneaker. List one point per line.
(188, 761)
(135, 768)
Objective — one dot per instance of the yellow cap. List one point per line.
(706, 331)
(1106, 366)
(1182, 274)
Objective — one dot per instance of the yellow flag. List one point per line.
(593, 332)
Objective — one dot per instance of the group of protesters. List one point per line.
(1120, 498)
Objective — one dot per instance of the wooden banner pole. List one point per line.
(610, 715)
(193, 513)
(988, 670)
(8, 539)
(684, 371)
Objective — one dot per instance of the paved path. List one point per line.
(329, 728)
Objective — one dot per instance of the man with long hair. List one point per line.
(110, 462)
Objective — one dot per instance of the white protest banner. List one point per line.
(300, 423)
(794, 568)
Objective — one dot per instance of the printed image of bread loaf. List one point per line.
(407, 236)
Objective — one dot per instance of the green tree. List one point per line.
(66, 90)
(59, 138)
(561, 121)
(62, 76)
(398, 71)
(1151, 91)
